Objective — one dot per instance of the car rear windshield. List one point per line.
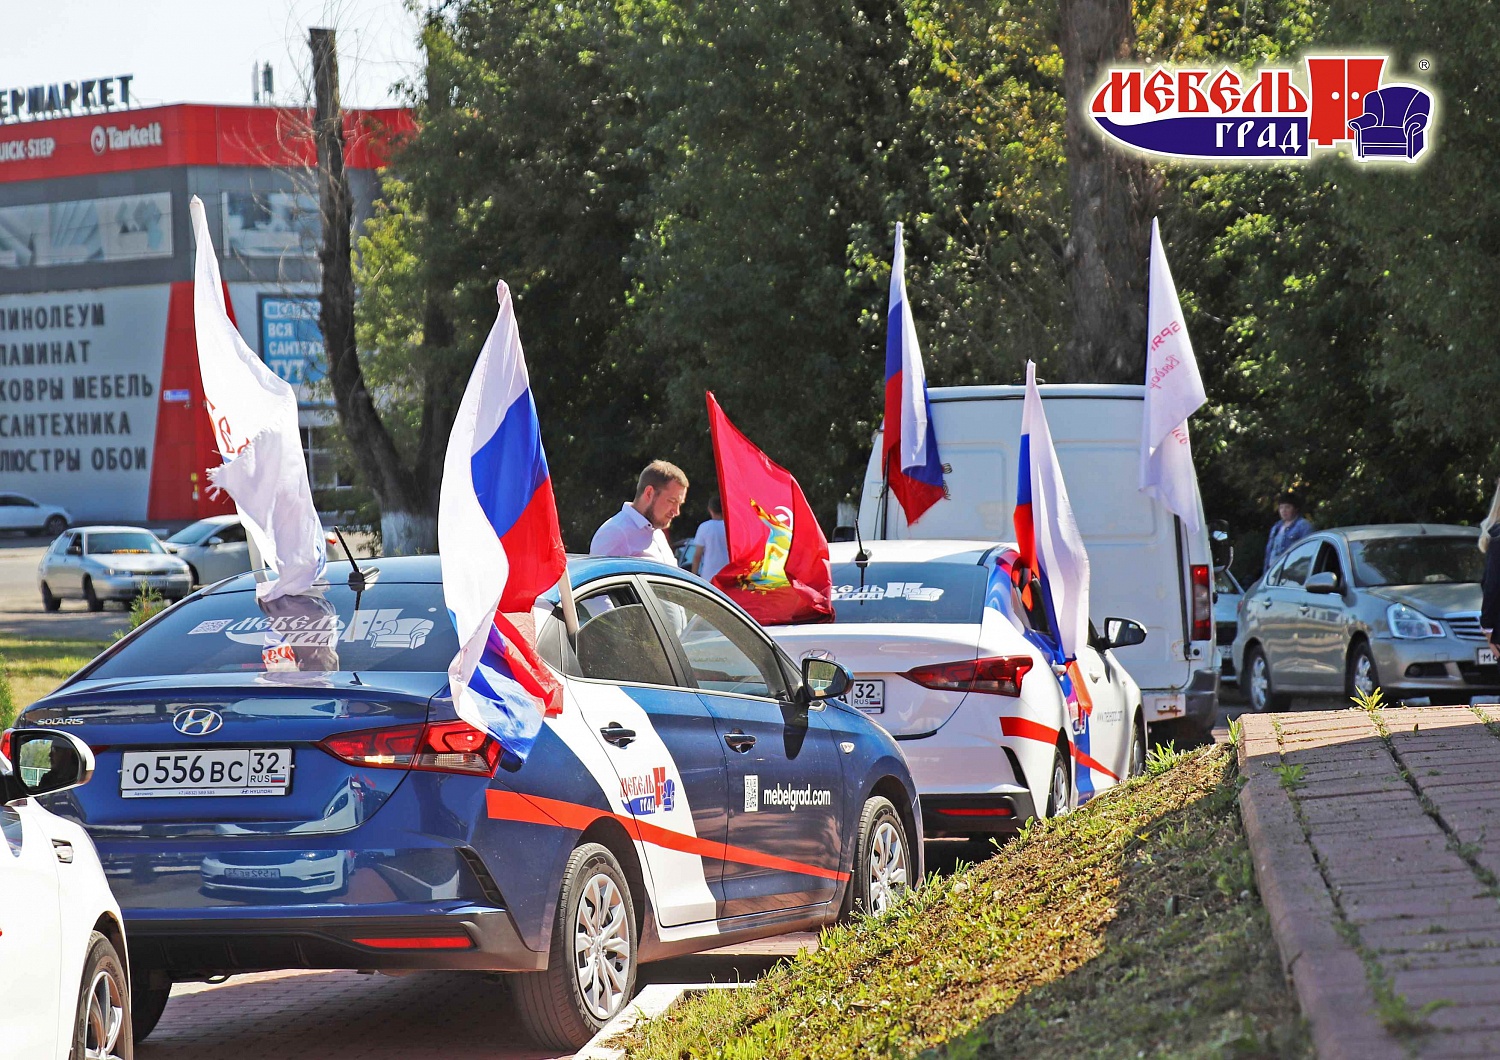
(396, 626)
(1416, 560)
(123, 543)
(909, 592)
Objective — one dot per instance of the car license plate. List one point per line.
(1484, 656)
(251, 874)
(206, 773)
(868, 696)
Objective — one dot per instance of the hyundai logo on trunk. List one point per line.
(196, 721)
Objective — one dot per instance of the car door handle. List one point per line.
(617, 734)
(1266, 602)
(64, 851)
(739, 741)
(1304, 608)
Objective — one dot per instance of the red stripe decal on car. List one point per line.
(533, 809)
(1027, 729)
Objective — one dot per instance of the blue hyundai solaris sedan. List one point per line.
(287, 785)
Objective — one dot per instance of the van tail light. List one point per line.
(437, 747)
(998, 675)
(5, 745)
(1203, 604)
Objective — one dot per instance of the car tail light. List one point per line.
(5, 745)
(438, 747)
(998, 675)
(1203, 604)
(419, 942)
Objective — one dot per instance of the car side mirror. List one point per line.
(1123, 632)
(215, 540)
(1219, 548)
(825, 679)
(1324, 583)
(43, 761)
(75, 549)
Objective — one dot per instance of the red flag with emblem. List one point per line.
(778, 557)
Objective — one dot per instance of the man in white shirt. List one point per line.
(711, 547)
(638, 528)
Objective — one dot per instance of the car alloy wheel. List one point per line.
(1137, 748)
(1258, 683)
(102, 1030)
(56, 525)
(1363, 678)
(1062, 785)
(601, 946)
(888, 872)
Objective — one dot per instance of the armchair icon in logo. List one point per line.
(197, 721)
(1222, 115)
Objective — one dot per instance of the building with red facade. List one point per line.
(101, 408)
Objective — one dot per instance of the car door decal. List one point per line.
(1035, 730)
(533, 809)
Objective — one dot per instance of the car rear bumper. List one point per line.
(208, 946)
(1000, 813)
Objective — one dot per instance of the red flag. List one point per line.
(778, 557)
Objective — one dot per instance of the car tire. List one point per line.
(1136, 767)
(1260, 692)
(1360, 674)
(565, 1006)
(149, 995)
(1060, 787)
(49, 601)
(193, 575)
(55, 525)
(102, 1024)
(882, 861)
(90, 597)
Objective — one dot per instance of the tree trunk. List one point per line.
(1112, 197)
(409, 524)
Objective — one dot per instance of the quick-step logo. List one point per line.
(1223, 115)
(648, 792)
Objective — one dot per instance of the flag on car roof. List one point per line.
(1174, 391)
(778, 557)
(254, 417)
(913, 468)
(500, 544)
(1046, 532)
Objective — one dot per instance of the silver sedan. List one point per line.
(99, 563)
(1349, 610)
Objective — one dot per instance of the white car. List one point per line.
(63, 973)
(19, 512)
(950, 653)
(214, 548)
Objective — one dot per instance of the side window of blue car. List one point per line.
(617, 640)
(724, 654)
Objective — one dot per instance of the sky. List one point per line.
(203, 51)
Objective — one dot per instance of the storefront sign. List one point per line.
(66, 98)
(291, 343)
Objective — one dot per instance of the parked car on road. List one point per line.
(951, 659)
(289, 785)
(1227, 595)
(19, 512)
(214, 548)
(1143, 561)
(63, 978)
(99, 563)
(1357, 608)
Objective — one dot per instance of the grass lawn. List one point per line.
(1131, 928)
(35, 666)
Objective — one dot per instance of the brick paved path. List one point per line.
(1401, 810)
(317, 1015)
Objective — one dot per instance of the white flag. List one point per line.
(1174, 391)
(254, 415)
(1055, 547)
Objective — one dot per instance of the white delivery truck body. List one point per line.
(1144, 564)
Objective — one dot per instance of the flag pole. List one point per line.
(569, 608)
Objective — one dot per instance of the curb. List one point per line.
(650, 1003)
(1325, 971)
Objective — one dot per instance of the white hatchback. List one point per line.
(950, 652)
(63, 976)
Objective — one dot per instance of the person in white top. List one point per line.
(639, 527)
(711, 547)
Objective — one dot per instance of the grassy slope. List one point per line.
(36, 666)
(1129, 929)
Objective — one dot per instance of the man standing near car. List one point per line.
(1288, 530)
(639, 527)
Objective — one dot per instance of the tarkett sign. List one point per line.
(1270, 114)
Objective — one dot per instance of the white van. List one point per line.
(1144, 564)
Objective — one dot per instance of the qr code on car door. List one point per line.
(752, 793)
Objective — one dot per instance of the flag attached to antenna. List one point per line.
(913, 468)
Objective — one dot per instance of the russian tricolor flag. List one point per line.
(500, 544)
(913, 468)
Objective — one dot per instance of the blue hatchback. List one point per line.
(287, 785)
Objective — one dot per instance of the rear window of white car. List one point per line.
(396, 626)
(909, 592)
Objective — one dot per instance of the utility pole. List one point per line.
(408, 524)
